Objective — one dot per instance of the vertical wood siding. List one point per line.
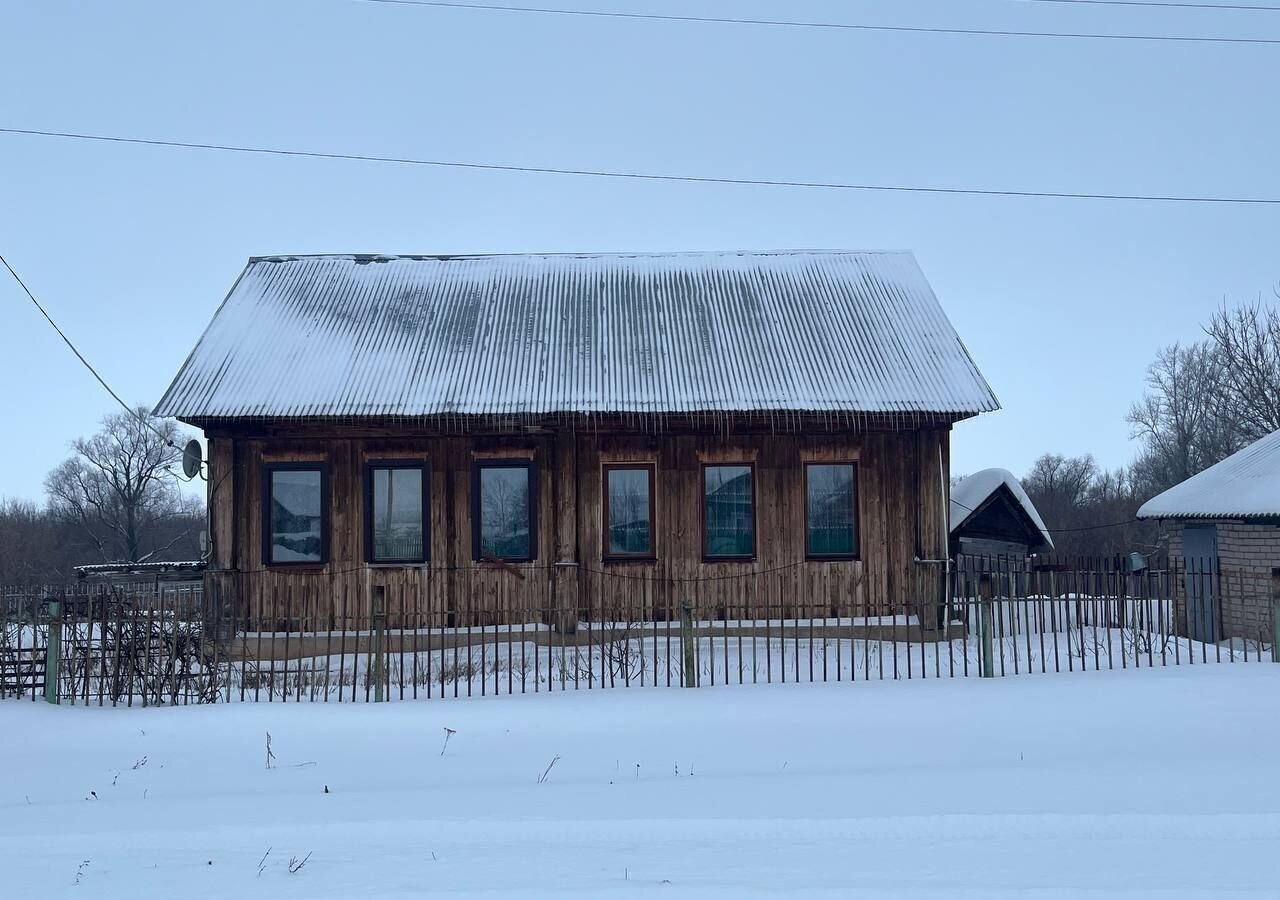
(901, 517)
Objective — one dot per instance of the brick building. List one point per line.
(1223, 527)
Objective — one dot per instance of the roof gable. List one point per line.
(353, 336)
(992, 503)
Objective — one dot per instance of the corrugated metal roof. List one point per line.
(349, 336)
(1244, 485)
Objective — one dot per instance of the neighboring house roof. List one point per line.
(974, 494)
(1244, 485)
(826, 331)
(192, 568)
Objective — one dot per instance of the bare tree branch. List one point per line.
(118, 489)
(1247, 339)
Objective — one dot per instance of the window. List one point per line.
(296, 514)
(502, 511)
(628, 511)
(831, 510)
(728, 512)
(396, 509)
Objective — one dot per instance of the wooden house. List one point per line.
(578, 436)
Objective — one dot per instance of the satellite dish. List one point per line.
(192, 459)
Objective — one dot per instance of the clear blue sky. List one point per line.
(1062, 303)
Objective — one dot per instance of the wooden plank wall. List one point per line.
(902, 516)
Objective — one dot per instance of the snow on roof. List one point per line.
(193, 567)
(970, 492)
(823, 331)
(1244, 485)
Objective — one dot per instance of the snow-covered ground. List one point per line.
(523, 667)
(1128, 783)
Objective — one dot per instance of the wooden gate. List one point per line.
(24, 639)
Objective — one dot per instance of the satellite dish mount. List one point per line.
(192, 459)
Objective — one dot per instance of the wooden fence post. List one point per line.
(376, 662)
(687, 647)
(566, 583)
(1275, 615)
(52, 651)
(984, 624)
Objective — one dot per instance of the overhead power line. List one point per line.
(1097, 527)
(80, 356)
(1163, 4)
(644, 176)
(847, 26)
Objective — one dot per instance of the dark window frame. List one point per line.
(755, 514)
(857, 512)
(326, 514)
(606, 553)
(425, 467)
(504, 463)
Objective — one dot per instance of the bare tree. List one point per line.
(1247, 340)
(1059, 484)
(1182, 421)
(1088, 510)
(1203, 402)
(119, 489)
(30, 544)
(1060, 487)
(1108, 524)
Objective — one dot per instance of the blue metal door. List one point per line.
(1200, 556)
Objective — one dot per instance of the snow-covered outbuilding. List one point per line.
(494, 435)
(991, 515)
(1225, 522)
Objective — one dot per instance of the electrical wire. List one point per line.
(848, 26)
(1131, 521)
(1163, 4)
(92, 371)
(530, 568)
(171, 444)
(66, 340)
(642, 176)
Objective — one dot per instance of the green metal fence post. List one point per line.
(377, 663)
(984, 625)
(687, 646)
(1275, 615)
(52, 651)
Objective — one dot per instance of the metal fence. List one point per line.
(163, 644)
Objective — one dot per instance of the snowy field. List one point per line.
(1135, 784)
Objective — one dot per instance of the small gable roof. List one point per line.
(1244, 485)
(545, 334)
(974, 495)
